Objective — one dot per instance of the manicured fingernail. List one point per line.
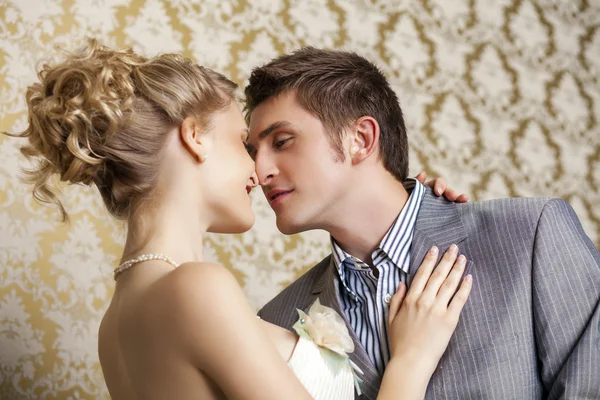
(469, 278)
(453, 249)
(433, 251)
(438, 191)
(462, 259)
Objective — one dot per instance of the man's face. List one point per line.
(295, 164)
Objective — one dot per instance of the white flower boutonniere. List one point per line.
(327, 329)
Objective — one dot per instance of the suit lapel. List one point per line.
(327, 290)
(438, 223)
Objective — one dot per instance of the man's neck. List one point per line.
(366, 219)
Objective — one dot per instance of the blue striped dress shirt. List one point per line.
(365, 297)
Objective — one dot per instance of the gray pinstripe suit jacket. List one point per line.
(530, 329)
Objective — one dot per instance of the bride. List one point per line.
(163, 140)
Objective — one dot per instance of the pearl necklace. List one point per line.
(144, 257)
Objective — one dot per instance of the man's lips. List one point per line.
(275, 196)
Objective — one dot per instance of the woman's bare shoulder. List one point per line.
(204, 313)
(199, 301)
(195, 289)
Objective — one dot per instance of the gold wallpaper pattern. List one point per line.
(501, 97)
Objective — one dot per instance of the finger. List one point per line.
(396, 302)
(451, 282)
(424, 272)
(462, 198)
(440, 273)
(421, 177)
(450, 194)
(460, 298)
(439, 185)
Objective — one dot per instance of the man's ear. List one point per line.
(192, 138)
(364, 139)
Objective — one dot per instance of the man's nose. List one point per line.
(265, 169)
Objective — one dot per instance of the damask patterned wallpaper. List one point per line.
(502, 97)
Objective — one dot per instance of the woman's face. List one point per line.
(229, 173)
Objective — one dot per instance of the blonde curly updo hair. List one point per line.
(101, 116)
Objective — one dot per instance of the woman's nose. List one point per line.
(254, 179)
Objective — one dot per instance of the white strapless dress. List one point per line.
(317, 376)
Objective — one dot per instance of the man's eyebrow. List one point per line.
(275, 125)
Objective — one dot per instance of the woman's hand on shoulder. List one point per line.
(440, 188)
(422, 321)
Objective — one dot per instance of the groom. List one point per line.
(331, 152)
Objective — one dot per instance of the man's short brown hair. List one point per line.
(338, 87)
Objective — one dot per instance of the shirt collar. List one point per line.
(394, 241)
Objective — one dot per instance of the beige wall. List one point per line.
(501, 97)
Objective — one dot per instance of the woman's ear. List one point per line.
(192, 139)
